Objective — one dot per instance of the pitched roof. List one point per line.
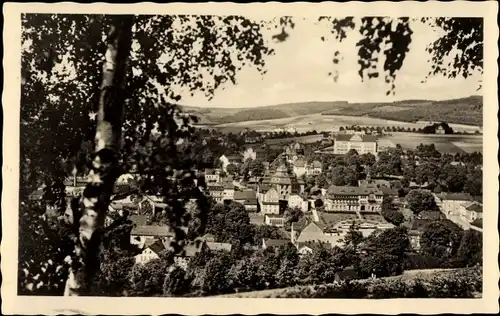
(152, 230)
(228, 186)
(276, 242)
(478, 222)
(311, 243)
(274, 216)
(218, 246)
(208, 237)
(157, 247)
(244, 195)
(456, 196)
(139, 220)
(257, 219)
(350, 190)
(301, 224)
(474, 207)
(347, 137)
(193, 248)
(216, 187)
(211, 171)
(37, 195)
(263, 188)
(316, 164)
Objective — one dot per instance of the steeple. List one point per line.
(368, 175)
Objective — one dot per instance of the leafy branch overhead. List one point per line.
(458, 51)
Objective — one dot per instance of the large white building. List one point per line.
(353, 199)
(361, 143)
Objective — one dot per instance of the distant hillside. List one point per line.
(257, 114)
(459, 111)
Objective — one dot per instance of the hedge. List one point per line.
(456, 283)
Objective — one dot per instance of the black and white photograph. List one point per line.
(233, 152)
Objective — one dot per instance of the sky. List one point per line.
(298, 72)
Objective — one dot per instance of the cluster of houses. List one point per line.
(328, 214)
(461, 209)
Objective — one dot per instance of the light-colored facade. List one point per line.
(269, 202)
(440, 130)
(361, 143)
(249, 153)
(216, 192)
(471, 211)
(353, 199)
(452, 203)
(274, 220)
(228, 193)
(297, 201)
(282, 182)
(299, 167)
(313, 169)
(212, 176)
(146, 255)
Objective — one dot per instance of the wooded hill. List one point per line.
(458, 111)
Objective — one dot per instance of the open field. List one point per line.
(321, 123)
(444, 143)
(301, 139)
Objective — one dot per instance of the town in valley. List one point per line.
(174, 155)
(283, 212)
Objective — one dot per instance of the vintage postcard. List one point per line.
(223, 158)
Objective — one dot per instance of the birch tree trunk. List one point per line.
(104, 170)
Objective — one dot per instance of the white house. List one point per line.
(361, 143)
(212, 176)
(228, 193)
(297, 201)
(274, 220)
(146, 234)
(471, 211)
(149, 253)
(452, 203)
(249, 153)
(269, 202)
(313, 169)
(299, 167)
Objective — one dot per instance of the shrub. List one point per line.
(383, 288)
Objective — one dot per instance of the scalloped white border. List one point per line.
(197, 306)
